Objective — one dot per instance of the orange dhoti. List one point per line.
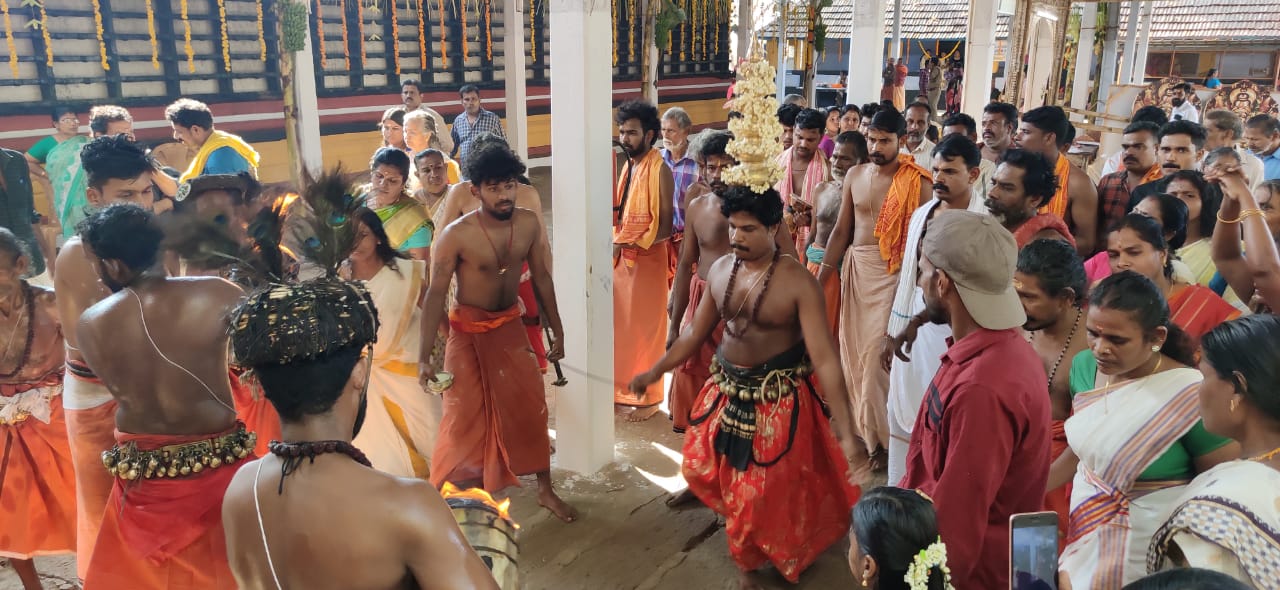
(771, 468)
(639, 320)
(1059, 500)
(529, 316)
(815, 255)
(255, 411)
(37, 481)
(164, 532)
(868, 289)
(687, 380)
(494, 424)
(91, 424)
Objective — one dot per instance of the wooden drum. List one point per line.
(492, 535)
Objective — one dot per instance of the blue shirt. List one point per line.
(1270, 165)
(225, 160)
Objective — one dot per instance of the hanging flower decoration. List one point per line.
(186, 37)
(151, 34)
(533, 34)
(293, 25)
(262, 32)
(102, 44)
(8, 38)
(324, 53)
(44, 32)
(488, 30)
(664, 22)
(395, 35)
(613, 18)
(756, 143)
(346, 47)
(364, 58)
(462, 12)
(444, 37)
(422, 36)
(684, 39)
(631, 28)
(226, 44)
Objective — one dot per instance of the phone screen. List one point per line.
(1034, 551)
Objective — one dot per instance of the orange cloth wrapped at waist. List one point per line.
(37, 484)
(473, 320)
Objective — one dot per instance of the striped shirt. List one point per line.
(465, 131)
(683, 174)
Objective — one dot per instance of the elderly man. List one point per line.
(676, 125)
(473, 121)
(1262, 136)
(1226, 129)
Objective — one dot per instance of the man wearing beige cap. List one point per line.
(980, 445)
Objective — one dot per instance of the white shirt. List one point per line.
(1188, 112)
(923, 153)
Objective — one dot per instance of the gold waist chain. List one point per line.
(180, 460)
(771, 387)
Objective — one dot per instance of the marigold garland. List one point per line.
(186, 36)
(360, 26)
(395, 35)
(533, 34)
(226, 44)
(346, 45)
(102, 44)
(49, 39)
(422, 36)
(631, 28)
(262, 32)
(462, 11)
(684, 40)
(488, 30)
(151, 33)
(715, 49)
(324, 53)
(444, 37)
(613, 18)
(8, 38)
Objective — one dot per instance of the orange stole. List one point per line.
(90, 432)
(640, 203)
(494, 426)
(687, 380)
(1197, 309)
(255, 411)
(164, 533)
(37, 481)
(788, 512)
(1059, 500)
(529, 315)
(895, 214)
(639, 320)
(1152, 175)
(1058, 204)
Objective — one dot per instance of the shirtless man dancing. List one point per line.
(850, 151)
(877, 202)
(494, 426)
(318, 386)
(116, 171)
(173, 394)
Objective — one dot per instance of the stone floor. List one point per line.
(626, 537)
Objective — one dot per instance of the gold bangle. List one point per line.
(1243, 215)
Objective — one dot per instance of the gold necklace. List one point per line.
(1267, 456)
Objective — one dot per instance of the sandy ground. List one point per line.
(626, 538)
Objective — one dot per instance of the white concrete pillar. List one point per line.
(1084, 59)
(897, 30)
(304, 83)
(781, 44)
(979, 56)
(581, 107)
(746, 34)
(649, 79)
(1130, 42)
(1144, 42)
(866, 52)
(1110, 45)
(513, 73)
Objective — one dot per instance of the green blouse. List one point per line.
(1176, 463)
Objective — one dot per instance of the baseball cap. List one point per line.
(979, 255)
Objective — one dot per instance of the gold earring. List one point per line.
(1235, 402)
(864, 581)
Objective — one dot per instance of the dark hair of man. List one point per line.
(11, 246)
(61, 111)
(1067, 139)
(1225, 120)
(242, 187)
(787, 114)
(1150, 231)
(850, 108)
(1193, 130)
(422, 155)
(892, 526)
(468, 89)
(920, 105)
(766, 207)
(1131, 292)
(1173, 212)
(734, 115)
(1249, 346)
(111, 157)
(393, 157)
(889, 120)
(870, 109)
(124, 232)
(959, 146)
(1141, 126)
(1004, 109)
(1057, 266)
(1267, 124)
(1038, 178)
(1188, 578)
(188, 113)
(383, 249)
(1186, 87)
(963, 120)
(103, 115)
(811, 119)
(1049, 119)
(858, 142)
(411, 82)
(494, 163)
(1150, 113)
(1212, 156)
(643, 112)
(716, 143)
(1210, 198)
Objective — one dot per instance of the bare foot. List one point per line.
(548, 499)
(685, 496)
(749, 581)
(642, 414)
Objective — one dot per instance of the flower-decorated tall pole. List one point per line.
(756, 143)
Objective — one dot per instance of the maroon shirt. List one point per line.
(980, 449)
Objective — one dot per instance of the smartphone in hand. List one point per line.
(1033, 551)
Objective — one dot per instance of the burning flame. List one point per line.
(283, 202)
(451, 491)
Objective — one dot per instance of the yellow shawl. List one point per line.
(637, 222)
(218, 139)
(895, 214)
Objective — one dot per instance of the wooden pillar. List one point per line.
(581, 106)
(1016, 51)
(513, 74)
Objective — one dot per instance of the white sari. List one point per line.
(1227, 520)
(402, 420)
(1117, 434)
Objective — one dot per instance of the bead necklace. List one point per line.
(313, 448)
(1065, 346)
(755, 309)
(28, 312)
(502, 268)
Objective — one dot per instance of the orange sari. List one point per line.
(640, 280)
(1198, 309)
(1058, 204)
(37, 482)
(895, 214)
(494, 426)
